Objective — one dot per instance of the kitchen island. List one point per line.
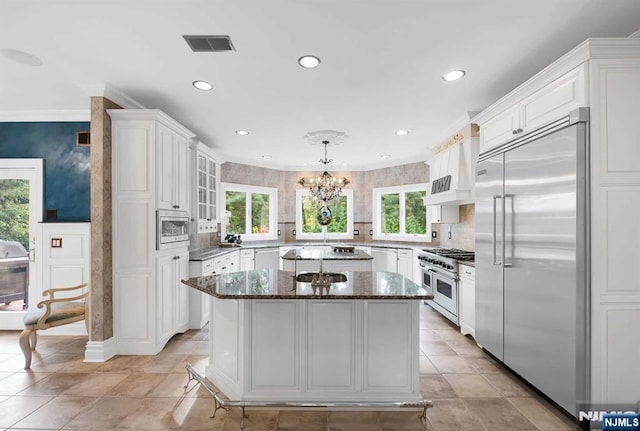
(272, 339)
(333, 258)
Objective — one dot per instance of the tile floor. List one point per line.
(61, 392)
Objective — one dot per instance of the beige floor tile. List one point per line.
(95, 384)
(56, 413)
(302, 420)
(55, 384)
(172, 386)
(124, 364)
(179, 347)
(484, 365)
(353, 421)
(194, 414)
(16, 363)
(447, 333)
(198, 362)
(137, 385)
(429, 335)
(255, 420)
(543, 416)
(405, 421)
(105, 414)
(435, 386)
(18, 407)
(472, 386)
(200, 348)
(152, 414)
(509, 386)
(436, 348)
(53, 362)
(464, 347)
(453, 415)
(426, 367)
(163, 362)
(452, 365)
(80, 366)
(18, 382)
(499, 415)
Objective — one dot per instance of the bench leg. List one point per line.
(25, 347)
(33, 340)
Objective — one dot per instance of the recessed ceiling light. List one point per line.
(304, 164)
(242, 132)
(266, 156)
(344, 164)
(402, 132)
(309, 61)
(453, 75)
(385, 156)
(202, 85)
(21, 57)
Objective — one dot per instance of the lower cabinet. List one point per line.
(267, 258)
(224, 264)
(172, 304)
(384, 259)
(405, 263)
(467, 293)
(247, 257)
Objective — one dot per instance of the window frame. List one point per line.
(377, 208)
(249, 189)
(300, 193)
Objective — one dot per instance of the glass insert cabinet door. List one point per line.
(206, 190)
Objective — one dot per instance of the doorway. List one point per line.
(21, 200)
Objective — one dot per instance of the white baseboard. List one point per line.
(100, 351)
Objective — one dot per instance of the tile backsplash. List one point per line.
(462, 233)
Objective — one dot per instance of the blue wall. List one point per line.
(66, 166)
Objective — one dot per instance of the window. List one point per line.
(400, 214)
(250, 211)
(307, 224)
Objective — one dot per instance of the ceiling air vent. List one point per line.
(209, 43)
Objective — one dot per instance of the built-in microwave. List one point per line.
(172, 229)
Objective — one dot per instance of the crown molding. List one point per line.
(594, 48)
(636, 34)
(112, 93)
(149, 114)
(58, 115)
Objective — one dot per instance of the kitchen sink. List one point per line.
(334, 277)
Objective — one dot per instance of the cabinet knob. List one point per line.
(176, 206)
(176, 257)
(516, 131)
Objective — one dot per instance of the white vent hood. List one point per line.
(451, 174)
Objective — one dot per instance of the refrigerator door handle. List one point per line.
(494, 232)
(504, 234)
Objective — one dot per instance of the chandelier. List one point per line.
(325, 188)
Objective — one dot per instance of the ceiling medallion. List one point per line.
(324, 188)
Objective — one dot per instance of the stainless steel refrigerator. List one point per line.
(532, 292)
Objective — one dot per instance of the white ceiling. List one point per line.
(382, 62)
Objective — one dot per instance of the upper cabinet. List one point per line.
(549, 103)
(172, 161)
(206, 180)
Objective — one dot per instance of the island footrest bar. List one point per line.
(221, 403)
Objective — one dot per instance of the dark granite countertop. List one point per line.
(325, 253)
(209, 253)
(277, 284)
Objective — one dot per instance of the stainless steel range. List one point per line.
(439, 268)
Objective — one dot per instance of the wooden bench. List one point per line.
(53, 312)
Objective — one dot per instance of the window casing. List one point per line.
(399, 213)
(341, 227)
(250, 211)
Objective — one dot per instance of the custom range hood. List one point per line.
(451, 170)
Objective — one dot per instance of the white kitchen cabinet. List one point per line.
(149, 171)
(384, 259)
(551, 102)
(172, 167)
(267, 258)
(467, 298)
(417, 271)
(443, 213)
(247, 262)
(173, 296)
(205, 188)
(405, 263)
